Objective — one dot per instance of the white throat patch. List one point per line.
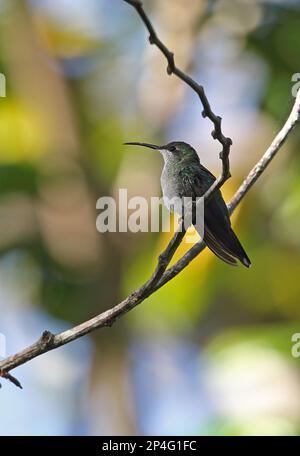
(166, 154)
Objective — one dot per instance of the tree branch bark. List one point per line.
(161, 275)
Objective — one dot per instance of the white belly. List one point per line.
(169, 184)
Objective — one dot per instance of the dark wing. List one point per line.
(218, 234)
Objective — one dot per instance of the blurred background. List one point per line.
(210, 353)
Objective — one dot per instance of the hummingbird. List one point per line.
(184, 176)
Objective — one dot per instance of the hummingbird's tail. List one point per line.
(218, 250)
(228, 248)
(220, 237)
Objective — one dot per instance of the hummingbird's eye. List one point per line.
(173, 149)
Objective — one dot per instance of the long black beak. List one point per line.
(151, 146)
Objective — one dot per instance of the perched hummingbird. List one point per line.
(184, 176)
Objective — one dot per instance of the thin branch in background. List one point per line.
(161, 275)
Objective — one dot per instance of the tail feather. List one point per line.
(218, 234)
(239, 250)
(227, 249)
(218, 250)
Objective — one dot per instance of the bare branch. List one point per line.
(217, 133)
(11, 378)
(161, 275)
(49, 341)
(270, 153)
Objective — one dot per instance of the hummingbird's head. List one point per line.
(175, 151)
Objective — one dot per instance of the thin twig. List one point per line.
(217, 133)
(268, 156)
(11, 378)
(161, 276)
